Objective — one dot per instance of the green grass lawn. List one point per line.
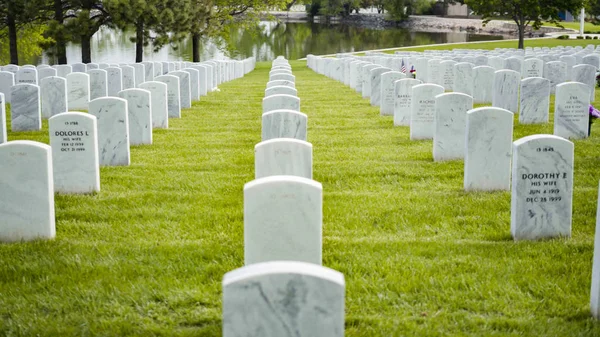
(146, 255)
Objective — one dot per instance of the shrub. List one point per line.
(579, 37)
(587, 37)
(563, 37)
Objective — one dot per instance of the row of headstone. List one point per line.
(482, 137)
(283, 232)
(79, 144)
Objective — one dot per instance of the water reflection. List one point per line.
(266, 41)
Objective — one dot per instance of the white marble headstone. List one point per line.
(139, 115)
(586, 74)
(78, 91)
(114, 81)
(7, 80)
(185, 96)
(140, 74)
(375, 74)
(283, 220)
(281, 90)
(449, 125)
(283, 299)
(488, 149)
(194, 76)
(284, 124)
(148, 71)
(571, 110)
(505, 92)
(98, 83)
(534, 102)
(26, 75)
(173, 97)
(53, 96)
(483, 84)
(285, 77)
(26, 112)
(447, 74)
(278, 102)
(74, 142)
(62, 70)
(26, 192)
(463, 78)
(3, 134)
(542, 187)
(388, 96)
(556, 72)
(422, 110)
(533, 67)
(158, 105)
(113, 130)
(283, 156)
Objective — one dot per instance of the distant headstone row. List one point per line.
(283, 290)
(542, 165)
(82, 142)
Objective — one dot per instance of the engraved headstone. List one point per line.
(422, 110)
(283, 156)
(78, 91)
(26, 75)
(194, 76)
(62, 70)
(449, 125)
(447, 74)
(283, 220)
(283, 298)
(388, 96)
(463, 78)
(45, 72)
(533, 67)
(542, 187)
(278, 102)
(7, 80)
(139, 115)
(140, 74)
(488, 149)
(185, 96)
(375, 81)
(3, 134)
(173, 97)
(114, 81)
(586, 74)
(113, 130)
(26, 191)
(98, 83)
(74, 142)
(483, 84)
(505, 92)
(571, 110)
(402, 100)
(281, 90)
(556, 72)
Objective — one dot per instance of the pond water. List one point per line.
(270, 39)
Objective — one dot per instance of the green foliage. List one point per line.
(563, 37)
(30, 39)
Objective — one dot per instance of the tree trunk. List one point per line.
(521, 26)
(195, 47)
(61, 43)
(86, 49)
(139, 42)
(12, 38)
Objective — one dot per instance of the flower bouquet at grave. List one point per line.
(594, 113)
(413, 73)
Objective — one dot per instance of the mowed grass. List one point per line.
(146, 255)
(540, 42)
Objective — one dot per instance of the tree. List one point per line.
(85, 19)
(14, 15)
(524, 12)
(56, 32)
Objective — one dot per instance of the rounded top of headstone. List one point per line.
(283, 267)
(544, 137)
(24, 144)
(288, 111)
(424, 85)
(71, 114)
(491, 110)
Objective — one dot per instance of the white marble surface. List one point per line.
(514, 63)
(7, 80)
(421, 110)
(113, 130)
(148, 71)
(283, 299)
(3, 133)
(173, 97)
(184, 88)
(533, 67)
(591, 59)
(63, 70)
(26, 192)
(586, 74)
(26, 75)
(505, 91)
(278, 102)
(534, 101)
(595, 289)
(78, 67)
(158, 69)
(434, 72)
(139, 71)
(556, 72)
(98, 83)
(285, 77)
(447, 74)
(571, 110)
(12, 68)
(26, 112)
(283, 220)
(53, 96)
(280, 83)
(128, 77)
(205, 78)
(139, 115)
(375, 74)
(422, 69)
(388, 91)
(496, 62)
(158, 105)
(542, 187)
(449, 125)
(281, 90)
(570, 61)
(356, 75)
(74, 142)
(194, 76)
(463, 78)
(488, 150)
(283, 156)
(78, 91)
(45, 72)
(366, 79)
(114, 81)
(284, 124)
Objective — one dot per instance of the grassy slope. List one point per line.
(146, 255)
(502, 44)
